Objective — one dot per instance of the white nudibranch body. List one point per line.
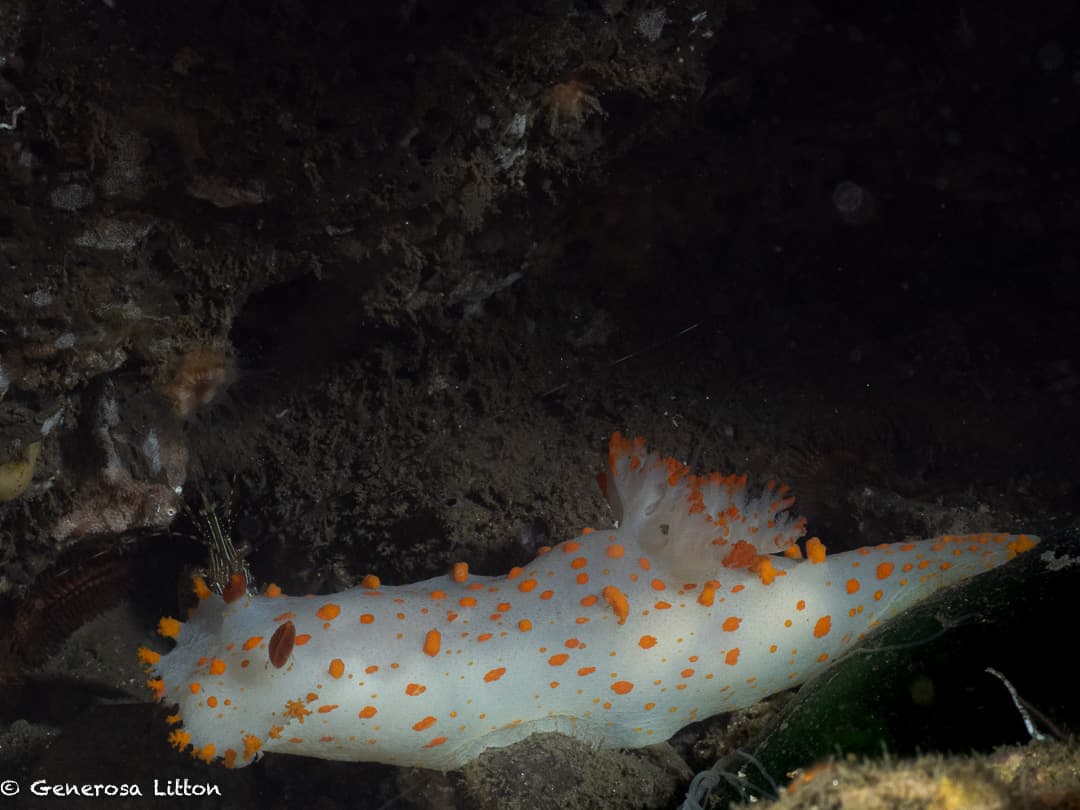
(700, 602)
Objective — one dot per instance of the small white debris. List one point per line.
(51, 422)
(516, 128)
(14, 118)
(151, 450)
(1056, 563)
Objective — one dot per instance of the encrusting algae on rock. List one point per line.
(16, 474)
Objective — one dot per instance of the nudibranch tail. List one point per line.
(700, 601)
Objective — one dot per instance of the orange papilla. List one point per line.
(200, 588)
(617, 601)
(328, 612)
(432, 643)
(815, 550)
(764, 568)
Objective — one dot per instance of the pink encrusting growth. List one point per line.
(701, 601)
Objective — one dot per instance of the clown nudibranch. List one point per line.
(700, 602)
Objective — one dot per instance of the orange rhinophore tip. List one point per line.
(198, 585)
(371, 582)
(168, 627)
(236, 589)
(281, 644)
